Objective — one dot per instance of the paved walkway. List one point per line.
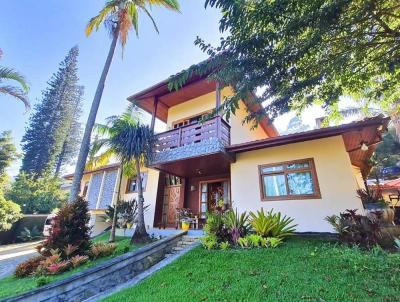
(12, 255)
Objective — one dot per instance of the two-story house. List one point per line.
(199, 165)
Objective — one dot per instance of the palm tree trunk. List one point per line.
(140, 235)
(114, 221)
(85, 145)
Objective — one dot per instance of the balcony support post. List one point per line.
(217, 97)
(154, 113)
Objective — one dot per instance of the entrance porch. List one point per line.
(190, 198)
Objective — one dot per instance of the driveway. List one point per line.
(12, 255)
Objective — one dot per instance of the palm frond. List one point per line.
(11, 74)
(95, 22)
(17, 93)
(151, 18)
(133, 14)
(170, 4)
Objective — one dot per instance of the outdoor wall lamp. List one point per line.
(364, 146)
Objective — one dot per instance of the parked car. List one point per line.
(48, 225)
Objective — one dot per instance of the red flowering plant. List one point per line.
(70, 233)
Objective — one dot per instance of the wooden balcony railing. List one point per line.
(192, 134)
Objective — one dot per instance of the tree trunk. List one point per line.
(114, 221)
(140, 235)
(85, 145)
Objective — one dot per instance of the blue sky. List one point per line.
(36, 35)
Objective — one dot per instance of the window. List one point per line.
(289, 180)
(190, 120)
(131, 186)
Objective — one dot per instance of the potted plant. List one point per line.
(186, 224)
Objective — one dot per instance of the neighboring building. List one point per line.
(306, 175)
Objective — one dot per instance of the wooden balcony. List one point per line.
(183, 151)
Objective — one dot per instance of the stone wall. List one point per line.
(92, 281)
(209, 146)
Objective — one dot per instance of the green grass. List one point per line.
(309, 270)
(11, 286)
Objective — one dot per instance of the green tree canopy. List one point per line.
(10, 212)
(306, 52)
(36, 195)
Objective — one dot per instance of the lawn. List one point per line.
(11, 286)
(300, 270)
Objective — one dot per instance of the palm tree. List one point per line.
(119, 16)
(9, 74)
(109, 142)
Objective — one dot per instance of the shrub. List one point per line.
(273, 241)
(272, 224)
(356, 229)
(215, 226)
(28, 267)
(101, 249)
(254, 240)
(209, 242)
(369, 196)
(10, 212)
(42, 280)
(224, 245)
(70, 227)
(243, 242)
(69, 250)
(78, 260)
(236, 224)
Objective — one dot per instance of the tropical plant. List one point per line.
(355, 229)
(236, 224)
(225, 245)
(29, 235)
(273, 241)
(126, 212)
(215, 226)
(37, 195)
(10, 212)
(209, 242)
(370, 195)
(78, 260)
(110, 139)
(70, 227)
(254, 240)
(119, 16)
(243, 242)
(271, 224)
(101, 249)
(28, 267)
(9, 74)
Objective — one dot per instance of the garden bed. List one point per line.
(301, 269)
(11, 286)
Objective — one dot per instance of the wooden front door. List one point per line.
(172, 198)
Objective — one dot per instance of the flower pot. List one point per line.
(185, 226)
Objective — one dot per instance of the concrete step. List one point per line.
(177, 248)
(190, 238)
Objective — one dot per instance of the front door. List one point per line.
(172, 199)
(214, 194)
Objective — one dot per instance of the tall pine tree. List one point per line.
(51, 137)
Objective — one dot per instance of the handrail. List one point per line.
(193, 133)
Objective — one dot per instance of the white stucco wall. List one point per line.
(335, 174)
(150, 194)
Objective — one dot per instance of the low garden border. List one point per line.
(92, 281)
